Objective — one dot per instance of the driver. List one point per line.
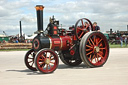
(96, 27)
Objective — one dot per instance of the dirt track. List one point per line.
(114, 72)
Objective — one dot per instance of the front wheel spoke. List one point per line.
(89, 53)
(47, 67)
(52, 62)
(52, 58)
(32, 64)
(43, 56)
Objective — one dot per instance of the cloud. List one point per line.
(107, 13)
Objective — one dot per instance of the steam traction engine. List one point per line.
(79, 44)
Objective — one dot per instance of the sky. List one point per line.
(107, 13)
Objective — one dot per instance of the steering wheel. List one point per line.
(81, 29)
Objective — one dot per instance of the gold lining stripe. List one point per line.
(50, 42)
(61, 43)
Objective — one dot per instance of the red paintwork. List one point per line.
(66, 42)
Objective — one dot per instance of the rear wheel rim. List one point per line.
(96, 49)
(46, 61)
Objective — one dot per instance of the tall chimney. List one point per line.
(20, 29)
(39, 9)
(127, 27)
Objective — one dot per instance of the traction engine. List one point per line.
(74, 46)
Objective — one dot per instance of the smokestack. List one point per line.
(110, 31)
(20, 29)
(39, 9)
(127, 27)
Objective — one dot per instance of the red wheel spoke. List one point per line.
(101, 52)
(52, 62)
(52, 59)
(93, 57)
(99, 41)
(96, 42)
(102, 48)
(97, 57)
(42, 63)
(89, 53)
(89, 42)
(100, 55)
(43, 56)
(50, 56)
(81, 35)
(79, 28)
(82, 23)
(89, 46)
(88, 49)
(92, 41)
(100, 45)
(47, 67)
(40, 59)
(90, 57)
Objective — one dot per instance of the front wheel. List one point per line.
(46, 61)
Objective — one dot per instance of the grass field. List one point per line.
(117, 46)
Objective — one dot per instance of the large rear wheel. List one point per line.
(94, 49)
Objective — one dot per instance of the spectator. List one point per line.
(96, 28)
(121, 41)
(125, 40)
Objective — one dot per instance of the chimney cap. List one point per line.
(39, 7)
